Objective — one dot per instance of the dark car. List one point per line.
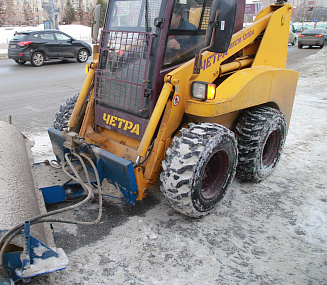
(40, 46)
(313, 37)
(301, 29)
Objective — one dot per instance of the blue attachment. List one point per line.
(58, 193)
(27, 248)
(55, 185)
(30, 261)
(117, 170)
(53, 194)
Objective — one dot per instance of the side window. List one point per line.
(62, 37)
(180, 19)
(47, 36)
(186, 32)
(35, 36)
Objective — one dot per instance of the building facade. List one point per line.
(303, 10)
(31, 12)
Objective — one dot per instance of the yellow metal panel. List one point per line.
(103, 141)
(273, 52)
(226, 120)
(245, 88)
(283, 89)
(249, 87)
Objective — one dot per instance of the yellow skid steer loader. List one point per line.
(177, 91)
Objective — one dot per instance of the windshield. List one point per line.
(314, 31)
(130, 15)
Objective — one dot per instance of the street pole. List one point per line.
(303, 13)
(53, 16)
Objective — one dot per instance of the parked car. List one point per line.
(313, 37)
(40, 46)
(292, 38)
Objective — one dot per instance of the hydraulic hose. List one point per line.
(8, 236)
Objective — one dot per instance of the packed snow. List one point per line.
(273, 232)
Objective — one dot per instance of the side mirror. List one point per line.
(221, 25)
(220, 29)
(95, 25)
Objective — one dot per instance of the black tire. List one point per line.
(261, 134)
(199, 167)
(323, 44)
(64, 113)
(37, 59)
(299, 46)
(20, 62)
(82, 55)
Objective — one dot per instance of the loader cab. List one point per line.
(174, 24)
(141, 41)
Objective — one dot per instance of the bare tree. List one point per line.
(69, 13)
(27, 12)
(3, 9)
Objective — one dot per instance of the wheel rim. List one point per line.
(83, 55)
(271, 147)
(215, 174)
(38, 59)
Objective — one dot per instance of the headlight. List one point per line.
(203, 90)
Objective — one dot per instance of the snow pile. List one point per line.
(6, 33)
(78, 32)
(42, 147)
(313, 66)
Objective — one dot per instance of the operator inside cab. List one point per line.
(183, 39)
(179, 23)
